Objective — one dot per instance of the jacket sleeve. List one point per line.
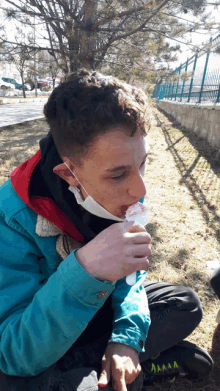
(39, 321)
(131, 313)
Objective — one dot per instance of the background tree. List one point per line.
(18, 54)
(140, 59)
(47, 66)
(21, 60)
(94, 33)
(44, 65)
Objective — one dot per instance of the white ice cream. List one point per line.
(139, 213)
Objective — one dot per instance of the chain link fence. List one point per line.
(197, 80)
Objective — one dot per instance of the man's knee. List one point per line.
(194, 305)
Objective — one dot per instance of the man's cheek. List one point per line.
(103, 197)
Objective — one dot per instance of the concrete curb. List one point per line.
(21, 121)
(5, 101)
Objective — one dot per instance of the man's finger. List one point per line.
(129, 378)
(104, 378)
(105, 375)
(141, 251)
(120, 383)
(142, 263)
(141, 238)
(118, 374)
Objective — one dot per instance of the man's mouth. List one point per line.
(124, 208)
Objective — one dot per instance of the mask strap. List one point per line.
(76, 178)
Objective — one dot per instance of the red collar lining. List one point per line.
(20, 179)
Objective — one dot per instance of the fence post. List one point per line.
(165, 87)
(167, 90)
(191, 82)
(177, 86)
(181, 96)
(170, 88)
(172, 93)
(161, 92)
(204, 74)
(156, 92)
(218, 96)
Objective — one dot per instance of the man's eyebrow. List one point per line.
(119, 168)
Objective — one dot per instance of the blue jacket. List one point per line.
(47, 298)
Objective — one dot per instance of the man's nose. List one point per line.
(137, 188)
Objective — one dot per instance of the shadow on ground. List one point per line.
(212, 156)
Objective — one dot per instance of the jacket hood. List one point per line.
(48, 195)
(30, 185)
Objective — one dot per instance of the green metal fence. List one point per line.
(197, 80)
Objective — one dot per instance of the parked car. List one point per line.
(5, 86)
(18, 86)
(50, 82)
(41, 84)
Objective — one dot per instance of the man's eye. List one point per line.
(116, 178)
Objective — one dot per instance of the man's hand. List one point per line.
(116, 252)
(121, 364)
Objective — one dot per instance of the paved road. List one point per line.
(11, 114)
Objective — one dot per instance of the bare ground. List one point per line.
(183, 182)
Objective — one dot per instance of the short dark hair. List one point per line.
(86, 105)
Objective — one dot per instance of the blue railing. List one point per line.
(197, 80)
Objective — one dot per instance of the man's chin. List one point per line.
(122, 211)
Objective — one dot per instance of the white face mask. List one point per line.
(90, 204)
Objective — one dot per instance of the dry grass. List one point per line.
(18, 143)
(183, 181)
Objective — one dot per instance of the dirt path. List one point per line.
(183, 181)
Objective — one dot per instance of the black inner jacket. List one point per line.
(45, 183)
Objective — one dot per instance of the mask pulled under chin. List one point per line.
(92, 206)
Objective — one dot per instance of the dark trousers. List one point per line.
(175, 312)
(215, 282)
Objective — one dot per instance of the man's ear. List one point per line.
(63, 171)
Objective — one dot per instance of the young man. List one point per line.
(68, 319)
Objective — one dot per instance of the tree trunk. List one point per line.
(88, 42)
(22, 80)
(73, 42)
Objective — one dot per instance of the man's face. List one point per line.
(113, 173)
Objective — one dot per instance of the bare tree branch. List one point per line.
(119, 37)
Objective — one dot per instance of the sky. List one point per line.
(196, 39)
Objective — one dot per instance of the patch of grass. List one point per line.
(18, 143)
